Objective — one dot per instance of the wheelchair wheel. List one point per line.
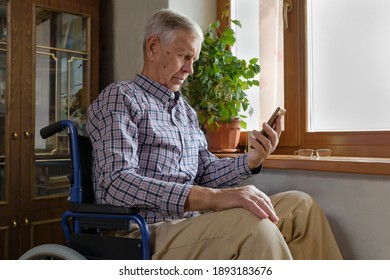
(51, 252)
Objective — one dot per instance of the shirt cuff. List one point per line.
(257, 170)
(244, 162)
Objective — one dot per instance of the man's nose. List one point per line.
(188, 67)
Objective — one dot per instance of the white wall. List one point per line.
(202, 11)
(357, 206)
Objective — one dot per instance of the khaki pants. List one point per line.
(302, 233)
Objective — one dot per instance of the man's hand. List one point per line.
(262, 145)
(247, 197)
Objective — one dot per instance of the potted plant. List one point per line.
(216, 90)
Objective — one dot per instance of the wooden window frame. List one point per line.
(354, 144)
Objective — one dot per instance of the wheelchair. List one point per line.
(84, 221)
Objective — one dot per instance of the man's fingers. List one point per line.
(267, 208)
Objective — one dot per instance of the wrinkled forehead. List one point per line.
(185, 42)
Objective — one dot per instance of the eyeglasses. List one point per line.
(311, 152)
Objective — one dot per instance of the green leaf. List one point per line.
(236, 22)
(243, 124)
(215, 25)
(225, 13)
(228, 37)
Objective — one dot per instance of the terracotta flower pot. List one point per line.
(224, 138)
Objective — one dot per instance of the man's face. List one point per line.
(173, 63)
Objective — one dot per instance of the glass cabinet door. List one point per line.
(61, 92)
(3, 97)
(49, 71)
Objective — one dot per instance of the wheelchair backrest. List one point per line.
(85, 152)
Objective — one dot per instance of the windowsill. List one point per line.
(359, 165)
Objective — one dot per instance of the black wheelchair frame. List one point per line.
(84, 221)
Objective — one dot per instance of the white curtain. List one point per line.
(271, 57)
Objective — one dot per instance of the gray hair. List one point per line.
(166, 23)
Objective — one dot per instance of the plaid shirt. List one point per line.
(149, 151)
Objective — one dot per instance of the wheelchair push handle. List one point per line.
(47, 131)
(51, 129)
(56, 127)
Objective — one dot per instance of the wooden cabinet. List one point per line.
(48, 71)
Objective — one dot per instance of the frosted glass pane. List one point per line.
(348, 65)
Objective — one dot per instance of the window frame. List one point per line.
(296, 134)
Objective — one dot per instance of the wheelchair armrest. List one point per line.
(102, 209)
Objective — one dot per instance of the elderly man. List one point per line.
(150, 153)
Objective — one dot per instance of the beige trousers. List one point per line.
(303, 232)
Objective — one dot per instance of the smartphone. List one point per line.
(271, 122)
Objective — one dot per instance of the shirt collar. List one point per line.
(154, 88)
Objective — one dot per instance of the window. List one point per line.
(348, 60)
(303, 127)
(247, 47)
(261, 22)
(309, 93)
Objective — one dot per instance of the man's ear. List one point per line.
(152, 47)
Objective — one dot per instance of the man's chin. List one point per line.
(175, 88)
(176, 84)
(172, 87)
